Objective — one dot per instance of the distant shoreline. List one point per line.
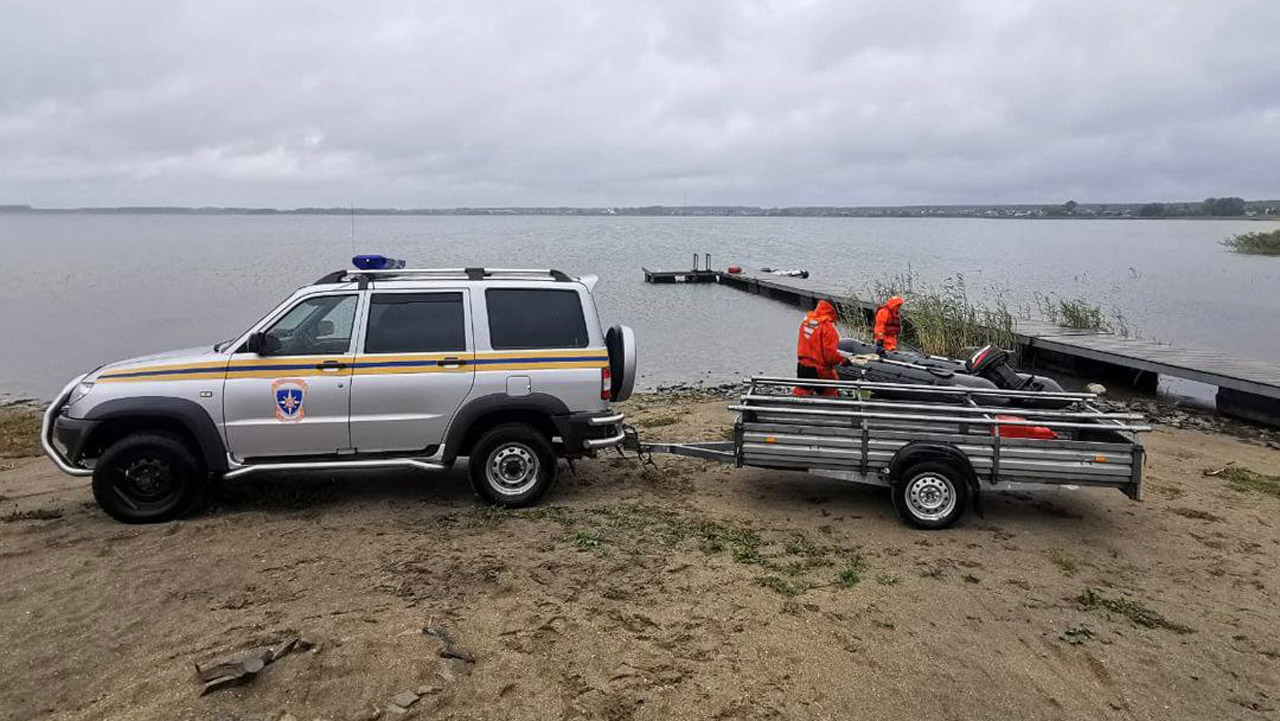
(1252, 210)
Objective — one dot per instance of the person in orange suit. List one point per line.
(888, 324)
(817, 351)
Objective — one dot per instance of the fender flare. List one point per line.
(189, 414)
(477, 408)
(918, 451)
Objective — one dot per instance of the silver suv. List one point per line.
(378, 367)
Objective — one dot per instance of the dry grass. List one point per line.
(1196, 514)
(1065, 562)
(32, 514)
(657, 421)
(1244, 480)
(19, 433)
(781, 585)
(1136, 611)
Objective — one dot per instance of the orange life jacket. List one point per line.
(889, 321)
(818, 344)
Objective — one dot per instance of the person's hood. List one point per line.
(894, 303)
(823, 313)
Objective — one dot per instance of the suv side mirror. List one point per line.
(262, 344)
(252, 344)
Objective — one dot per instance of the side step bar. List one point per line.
(376, 463)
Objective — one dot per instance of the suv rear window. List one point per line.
(415, 323)
(521, 318)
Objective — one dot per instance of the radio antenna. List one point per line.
(353, 228)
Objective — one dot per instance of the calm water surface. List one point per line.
(81, 290)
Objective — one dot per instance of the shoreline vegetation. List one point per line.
(1209, 209)
(945, 320)
(1257, 243)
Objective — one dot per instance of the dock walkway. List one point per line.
(1248, 389)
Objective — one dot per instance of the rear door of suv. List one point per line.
(543, 340)
(414, 366)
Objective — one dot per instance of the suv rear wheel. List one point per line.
(147, 478)
(512, 465)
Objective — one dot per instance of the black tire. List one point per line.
(512, 465)
(931, 495)
(147, 478)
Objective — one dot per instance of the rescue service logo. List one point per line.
(290, 395)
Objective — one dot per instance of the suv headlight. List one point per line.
(80, 391)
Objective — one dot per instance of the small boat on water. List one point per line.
(986, 369)
(789, 273)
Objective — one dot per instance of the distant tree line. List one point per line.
(1210, 207)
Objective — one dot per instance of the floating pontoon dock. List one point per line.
(1248, 389)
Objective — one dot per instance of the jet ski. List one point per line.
(987, 369)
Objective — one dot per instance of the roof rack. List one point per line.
(364, 276)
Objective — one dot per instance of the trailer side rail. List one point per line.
(859, 432)
(863, 436)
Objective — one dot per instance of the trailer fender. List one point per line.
(914, 453)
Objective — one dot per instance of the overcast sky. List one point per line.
(591, 102)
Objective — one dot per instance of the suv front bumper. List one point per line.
(586, 432)
(70, 434)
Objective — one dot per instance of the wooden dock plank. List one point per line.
(1256, 377)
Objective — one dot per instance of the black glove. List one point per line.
(880, 348)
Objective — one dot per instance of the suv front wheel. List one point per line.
(147, 478)
(512, 465)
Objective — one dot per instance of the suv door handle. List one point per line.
(451, 362)
(331, 365)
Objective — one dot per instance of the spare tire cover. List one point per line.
(621, 343)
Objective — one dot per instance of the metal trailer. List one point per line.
(936, 448)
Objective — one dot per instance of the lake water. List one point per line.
(81, 290)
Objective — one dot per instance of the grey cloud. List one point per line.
(578, 102)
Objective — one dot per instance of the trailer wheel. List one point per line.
(930, 495)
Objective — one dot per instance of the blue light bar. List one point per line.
(376, 262)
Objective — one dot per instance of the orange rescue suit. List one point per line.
(889, 323)
(817, 349)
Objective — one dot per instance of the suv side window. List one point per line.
(315, 326)
(524, 318)
(415, 323)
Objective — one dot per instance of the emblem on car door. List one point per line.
(290, 395)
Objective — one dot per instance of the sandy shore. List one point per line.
(685, 590)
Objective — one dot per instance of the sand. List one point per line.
(686, 590)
